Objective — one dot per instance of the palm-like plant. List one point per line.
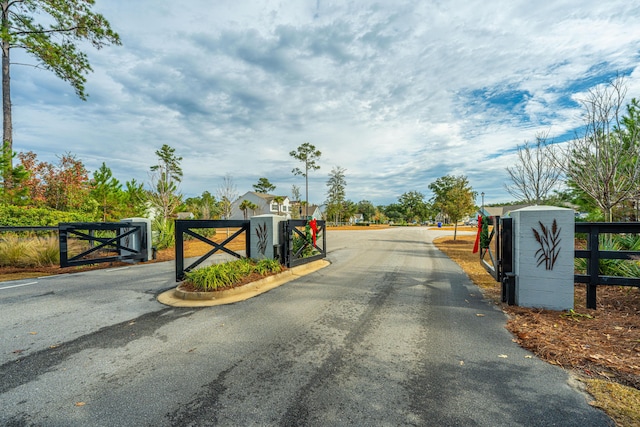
(278, 200)
(245, 206)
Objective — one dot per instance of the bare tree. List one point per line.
(604, 162)
(227, 193)
(535, 173)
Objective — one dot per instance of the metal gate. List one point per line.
(191, 227)
(298, 245)
(83, 243)
(497, 256)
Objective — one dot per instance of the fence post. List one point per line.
(62, 236)
(247, 239)
(179, 251)
(593, 267)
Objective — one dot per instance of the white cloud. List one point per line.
(398, 93)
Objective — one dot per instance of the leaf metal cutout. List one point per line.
(549, 241)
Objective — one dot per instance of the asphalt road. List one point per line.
(392, 333)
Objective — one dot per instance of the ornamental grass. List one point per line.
(229, 274)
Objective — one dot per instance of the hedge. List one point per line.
(20, 216)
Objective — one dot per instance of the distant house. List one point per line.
(315, 212)
(266, 204)
(185, 215)
(356, 219)
(299, 211)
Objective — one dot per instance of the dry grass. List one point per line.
(601, 346)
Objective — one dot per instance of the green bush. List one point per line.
(268, 266)
(17, 216)
(163, 233)
(615, 267)
(300, 242)
(224, 275)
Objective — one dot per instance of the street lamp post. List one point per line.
(482, 210)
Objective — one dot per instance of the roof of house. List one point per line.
(264, 196)
(502, 210)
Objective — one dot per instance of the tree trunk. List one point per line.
(7, 129)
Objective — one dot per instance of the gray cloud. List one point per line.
(398, 93)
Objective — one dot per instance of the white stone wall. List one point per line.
(544, 278)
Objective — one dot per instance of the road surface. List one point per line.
(392, 333)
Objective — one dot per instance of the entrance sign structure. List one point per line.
(543, 254)
(265, 237)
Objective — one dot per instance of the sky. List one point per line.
(396, 92)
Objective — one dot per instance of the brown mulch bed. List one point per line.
(602, 343)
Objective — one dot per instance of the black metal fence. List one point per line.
(106, 242)
(490, 254)
(297, 248)
(497, 258)
(83, 243)
(593, 255)
(189, 227)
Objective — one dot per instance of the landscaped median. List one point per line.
(179, 297)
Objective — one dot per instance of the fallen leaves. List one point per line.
(568, 339)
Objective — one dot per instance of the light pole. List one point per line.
(482, 209)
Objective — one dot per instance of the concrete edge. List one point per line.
(175, 298)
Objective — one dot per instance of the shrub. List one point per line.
(300, 242)
(16, 216)
(227, 274)
(268, 266)
(615, 267)
(163, 233)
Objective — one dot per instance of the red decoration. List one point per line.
(477, 243)
(314, 228)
